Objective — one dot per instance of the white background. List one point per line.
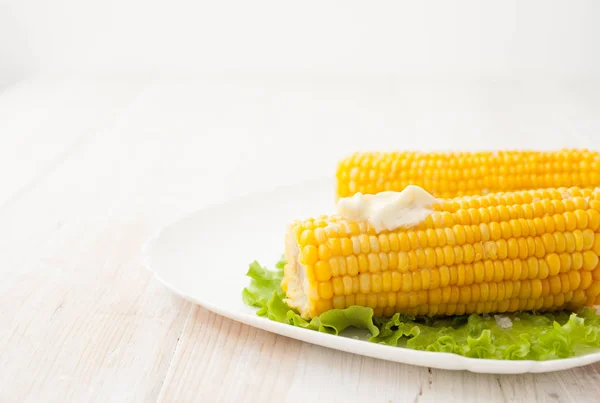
(448, 39)
(119, 116)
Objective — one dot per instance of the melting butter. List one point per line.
(389, 210)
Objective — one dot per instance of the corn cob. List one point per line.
(449, 175)
(504, 252)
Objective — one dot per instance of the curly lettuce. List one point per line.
(517, 336)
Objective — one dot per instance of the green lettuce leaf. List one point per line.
(517, 336)
(264, 285)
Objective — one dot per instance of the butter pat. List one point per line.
(389, 210)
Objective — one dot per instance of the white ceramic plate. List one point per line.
(204, 257)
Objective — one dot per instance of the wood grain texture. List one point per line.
(93, 167)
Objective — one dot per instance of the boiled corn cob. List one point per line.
(469, 173)
(504, 252)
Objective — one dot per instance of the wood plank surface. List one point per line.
(92, 167)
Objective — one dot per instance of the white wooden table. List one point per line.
(92, 167)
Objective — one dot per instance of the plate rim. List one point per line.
(349, 345)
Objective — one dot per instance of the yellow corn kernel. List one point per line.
(554, 264)
(325, 290)
(406, 282)
(308, 237)
(347, 283)
(543, 269)
(374, 262)
(396, 281)
(376, 283)
(347, 247)
(576, 261)
(339, 302)
(351, 265)
(588, 239)
(593, 219)
(590, 260)
(372, 300)
(322, 270)
(386, 281)
(569, 242)
(565, 262)
(392, 260)
(363, 263)
(364, 281)
(309, 255)
(425, 276)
